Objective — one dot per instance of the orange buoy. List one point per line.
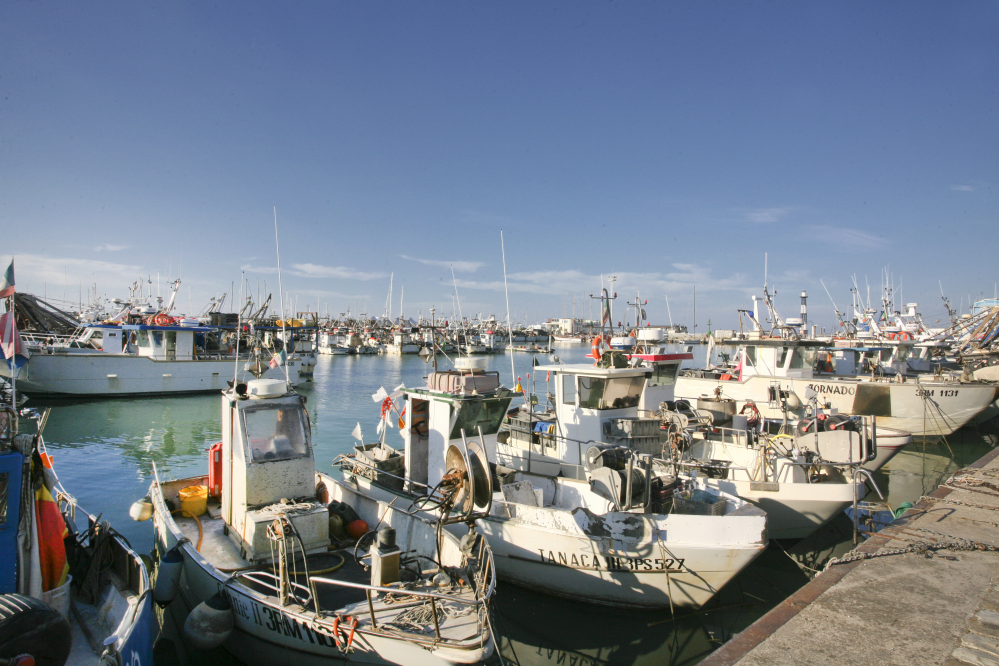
(356, 529)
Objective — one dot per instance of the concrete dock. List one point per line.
(924, 590)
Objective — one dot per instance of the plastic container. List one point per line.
(194, 500)
(59, 597)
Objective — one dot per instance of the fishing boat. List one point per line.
(572, 516)
(67, 595)
(256, 558)
(775, 370)
(145, 359)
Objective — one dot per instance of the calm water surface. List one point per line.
(105, 450)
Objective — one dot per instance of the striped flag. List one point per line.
(7, 282)
(278, 359)
(11, 348)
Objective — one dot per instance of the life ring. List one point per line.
(596, 348)
(754, 414)
(893, 336)
(903, 336)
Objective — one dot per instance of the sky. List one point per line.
(678, 146)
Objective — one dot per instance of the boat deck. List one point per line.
(339, 564)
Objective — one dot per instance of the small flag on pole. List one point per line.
(278, 359)
(357, 432)
(12, 349)
(7, 282)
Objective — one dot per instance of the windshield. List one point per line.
(276, 433)
(664, 374)
(610, 392)
(473, 414)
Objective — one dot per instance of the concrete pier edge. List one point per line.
(748, 639)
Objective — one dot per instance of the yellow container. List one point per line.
(194, 500)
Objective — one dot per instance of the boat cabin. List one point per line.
(778, 358)
(162, 343)
(465, 400)
(267, 461)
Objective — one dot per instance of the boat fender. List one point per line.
(168, 577)
(141, 510)
(210, 623)
(32, 632)
(356, 529)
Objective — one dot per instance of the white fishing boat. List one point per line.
(774, 371)
(802, 480)
(254, 555)
(142, 359)
(571, 517)
(402, 343)
(67, 595)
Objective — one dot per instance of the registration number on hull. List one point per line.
(609, 562)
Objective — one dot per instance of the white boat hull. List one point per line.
(684, 557)
(102, 374)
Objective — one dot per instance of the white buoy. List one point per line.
(168, 576)
(210, 623)
(141, 510)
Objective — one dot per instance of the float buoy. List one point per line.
(168, 576)
(210, 623)
(356, 529)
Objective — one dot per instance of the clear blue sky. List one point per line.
(668, 143)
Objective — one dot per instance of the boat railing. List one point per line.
(482, 593)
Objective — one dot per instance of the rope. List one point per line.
(421, 618)
(101, 560)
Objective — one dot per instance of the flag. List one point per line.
(548, 376)
(278, 359)
(357, 432)
(7, 282)
(11, 348)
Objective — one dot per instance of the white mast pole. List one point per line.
(284, 341)
(509, 325)
(239, 328)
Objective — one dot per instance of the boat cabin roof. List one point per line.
(593, 370)
(152, 327)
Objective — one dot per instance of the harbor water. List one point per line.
(105, 452)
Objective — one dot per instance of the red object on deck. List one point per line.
(215, 470)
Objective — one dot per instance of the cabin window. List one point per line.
(475, 414)
(782, 357)
(143, 338)
(803, 358)
(3, 497)
(276, 434)
(751, 356)
(885, 355)
(664, 375)
(610, 392)
(568, 389)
